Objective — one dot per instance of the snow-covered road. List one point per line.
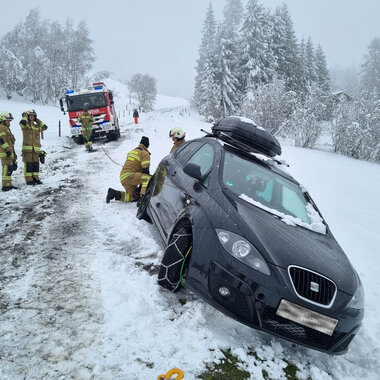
(79, 297)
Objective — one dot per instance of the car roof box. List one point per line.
(244, 134)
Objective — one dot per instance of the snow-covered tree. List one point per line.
(258, 64)
(46, 58)
(304, 124)
(206, 91)
(270, 106)
(79, 52)
(228, 57)
(322, 73)
(227, 83)
(356, 127)
(143, 87)
(310, 63)
(371, 67)
(286, 50)
(11, 72)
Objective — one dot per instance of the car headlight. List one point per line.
(357, 301)
(242, 250)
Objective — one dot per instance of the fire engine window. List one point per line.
(78, 102)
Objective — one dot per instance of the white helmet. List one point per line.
(177, 132)
(5, 115)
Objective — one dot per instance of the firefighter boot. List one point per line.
(113, 194)
(37, 181)
(6, 188)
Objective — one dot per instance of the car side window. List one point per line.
(204, 157)
(184, 151)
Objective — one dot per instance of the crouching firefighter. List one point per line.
(31, 146)
(7, 152)
(135, 172)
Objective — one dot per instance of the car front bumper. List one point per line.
(244, 297)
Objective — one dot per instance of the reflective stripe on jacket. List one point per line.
(86, 120)
(137, 160)
(31, 133)
(8, 142)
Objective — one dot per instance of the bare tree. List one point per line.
(143, 87)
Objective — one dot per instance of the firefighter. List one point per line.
(136, 116)
(135, 172)
(178, 136)
(7, 152)
(31, 127)
(86, 119)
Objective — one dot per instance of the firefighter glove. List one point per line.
(146, 170)
(9, 153)
(42, 156)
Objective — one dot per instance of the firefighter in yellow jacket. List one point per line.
(31, 128)
(178, 136)
(7, 152)
(135, 172)
(86, 120)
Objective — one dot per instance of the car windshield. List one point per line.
(78, 102)
(265, 188)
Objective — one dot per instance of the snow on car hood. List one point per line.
(286, 244)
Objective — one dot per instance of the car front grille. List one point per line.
(312, 286)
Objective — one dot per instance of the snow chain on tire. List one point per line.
(169, 275)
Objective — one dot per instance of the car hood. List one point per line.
(284, 245)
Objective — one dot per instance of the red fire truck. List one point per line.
(99, 101)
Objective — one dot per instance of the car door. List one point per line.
(179, 187)
(163, 183)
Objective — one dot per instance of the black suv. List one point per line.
(245, 236)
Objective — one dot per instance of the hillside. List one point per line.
(79, 297)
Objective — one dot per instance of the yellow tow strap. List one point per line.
(169, 374)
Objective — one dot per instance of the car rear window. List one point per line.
(246, 178)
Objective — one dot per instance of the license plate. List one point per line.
(307, 317)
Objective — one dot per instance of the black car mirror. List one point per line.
(194, 171)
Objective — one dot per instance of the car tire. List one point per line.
(142, 205)
(169, 275)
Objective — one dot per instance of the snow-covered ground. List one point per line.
(78, 292)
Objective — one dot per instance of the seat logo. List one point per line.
(314, 287)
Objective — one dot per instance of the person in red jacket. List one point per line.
(136, 116)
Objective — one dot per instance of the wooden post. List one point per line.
(59, 128)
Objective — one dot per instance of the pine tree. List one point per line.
(286, 50)
(310, 66)
(258, 64)
(227, 63)
(322, 73)
(206, 92)
(371, 67)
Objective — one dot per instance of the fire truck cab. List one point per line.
(99, 101)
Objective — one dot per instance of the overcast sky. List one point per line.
(162, 37)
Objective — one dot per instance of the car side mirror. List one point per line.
(61, 104)
(194, 171)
